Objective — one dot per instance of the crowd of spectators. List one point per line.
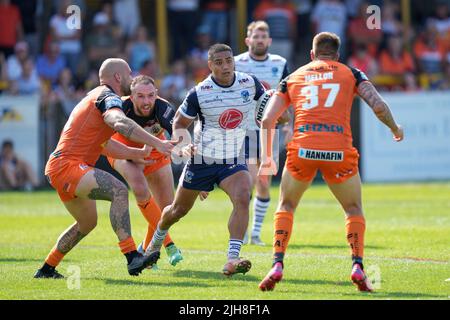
(39, 53)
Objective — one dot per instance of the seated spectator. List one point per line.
(390, 23)
(16, 60)
(65, 92)
(358, 32)
(430, 53)
(28, 82)
(362, 60)
(396, 66)
(101, 43)
(175, 85)
(15, 173)
(140, 49)
(198, 56)
(50, 64)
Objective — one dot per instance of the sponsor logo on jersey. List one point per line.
(321, 127)
(321, 155)
(244, 80)
(245, 96)
(113, 101)
(230, 119)
(167, 113)
(274, 71)
(216, 99)
(83, 166)
(206, 88)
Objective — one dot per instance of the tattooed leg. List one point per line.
(111, 189)
(69, 238)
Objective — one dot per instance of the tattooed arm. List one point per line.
(118, 121)
(118, 150)
(370, 95)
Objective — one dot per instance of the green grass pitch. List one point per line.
(407, 250)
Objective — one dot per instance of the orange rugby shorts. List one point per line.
(336, 166)
(66, 177)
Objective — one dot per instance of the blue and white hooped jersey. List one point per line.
(223, 113)
(269, 72)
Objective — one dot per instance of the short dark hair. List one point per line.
(218, 47)
(326, 43)
(7, 143)
(146, 80)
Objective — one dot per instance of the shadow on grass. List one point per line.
(12, 260)
(322, 246)
(213, 275)
(399, 295)
(151, 283)
(317, 282)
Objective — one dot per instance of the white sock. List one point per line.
(234, 248)
(260, 207)
(157, 240)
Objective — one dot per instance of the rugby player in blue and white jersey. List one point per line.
(270, 69)
(222, 103)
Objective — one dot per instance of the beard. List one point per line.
(126, 88)
(260, 51)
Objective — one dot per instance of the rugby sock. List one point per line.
(260, 207)
(152, 213)
(127, 245)
(283, 229)
(158, 238)
(234, 248)
(54, 257)
(355, 227)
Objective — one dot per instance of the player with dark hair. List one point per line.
(270, 69)
(155, 115)
(322, 94)
(222, 103)
(70, 168)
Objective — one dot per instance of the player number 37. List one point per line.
(312, 93)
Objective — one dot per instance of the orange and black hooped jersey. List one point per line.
(85, 132)
(160, 118)
(322, 94)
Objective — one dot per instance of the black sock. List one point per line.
(46, 268)
(131, 255)
(170, 244)
(358, 260)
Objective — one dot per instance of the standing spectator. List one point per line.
(28, 82)
(198, 56)
(304, 38)
(15, 173)
(215, 16)
(69, 39)
(398, 64)
(175, 85)
(16, 60)
(358, 32)
(28, 9)
(50, 64)
(127, 15)
(3, 73)
(140, 49)
(331, 16)
(65, 93)
(101, 43)
(441, 18)
(281, 17)
(391, 25)
(183, 20)
(11, 29)
(430, 54)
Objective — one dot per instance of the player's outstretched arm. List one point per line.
(118, 150)
(370, 95)
(118, 121)
(182, 135)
